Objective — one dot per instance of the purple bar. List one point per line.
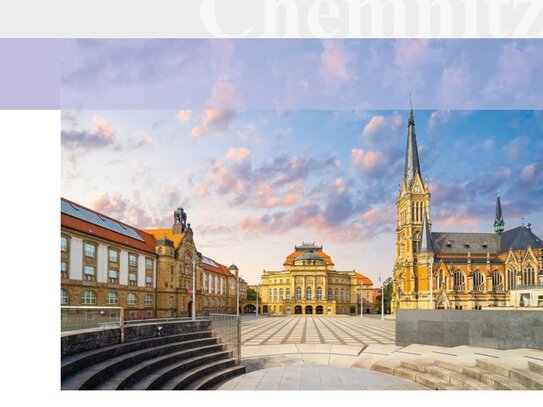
(29, 74)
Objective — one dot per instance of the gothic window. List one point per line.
(298, 293)
(478, 281)
(459, 281)
(497, 281)
(308, 293)
(416, 242)
(528, 276)
(440, 280)
(511, 278)
(319, 293)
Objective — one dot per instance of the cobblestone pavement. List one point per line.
(333, 330)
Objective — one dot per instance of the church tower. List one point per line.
(411, 278)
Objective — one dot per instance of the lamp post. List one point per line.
(194, 289)
(382, 298)
(431, 285)
(234, 270)
(257, 291)
(361, 301)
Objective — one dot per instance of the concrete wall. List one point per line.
(484, 328)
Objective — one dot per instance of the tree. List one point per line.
(251, 294)
(387, 288)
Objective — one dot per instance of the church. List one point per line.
(452, 270)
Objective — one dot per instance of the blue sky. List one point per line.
(257, 182)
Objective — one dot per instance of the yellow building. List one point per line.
(309, 285)
(149, 273)
(447, 270)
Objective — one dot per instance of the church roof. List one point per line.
(412, 166)
(520, 238)
(168, 233)
(461, 243)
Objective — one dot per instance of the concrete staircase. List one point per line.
(468, 371)
(190, 360)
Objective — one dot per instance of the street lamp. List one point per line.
(257, 291)
(194, 289)
(234, 270)
(361, 301)
(382, 298)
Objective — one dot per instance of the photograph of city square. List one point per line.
(308, 228)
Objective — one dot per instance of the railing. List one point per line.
(227, 327)
(90, 317)
(526, 286)
(167, 319)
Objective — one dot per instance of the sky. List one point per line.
(268, 143)
(257, 183)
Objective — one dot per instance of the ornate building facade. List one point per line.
(451, 270)
(149, 273)
(309, 285)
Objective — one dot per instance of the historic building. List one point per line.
(308, 284)
(456, 270)
(149, 273)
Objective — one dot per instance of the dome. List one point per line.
(309, 256)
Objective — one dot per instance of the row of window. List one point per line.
(335, 294)
(527, 277)
(89, 274)
(89, 250)
(88, 297)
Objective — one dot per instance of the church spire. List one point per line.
(499, 223)
(426, 238)
(412, 166)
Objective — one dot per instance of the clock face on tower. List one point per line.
(417, 189)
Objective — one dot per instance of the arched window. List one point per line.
(88, 297)
(112, 298)
(329, 293)
(342, 295)
(280, 294)
(478, 281)
(319, 293)
(308, 293)
(298, 293)
(511, 278)
(287, 293)
(275, 294)
(131, 299)
(271, 294)
(497, 281)
(64, 297)
(148, 300)
(335, 295)
(528, 276)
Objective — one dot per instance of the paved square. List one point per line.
(333, 330)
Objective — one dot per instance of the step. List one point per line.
(385, 366)
(491, 365)
(457, 379)
(156, 380)
(454, 365)
(494, 380)
(185, 379)
(418, 365)
(94, 375)
(126, 378)
(405, 373)
(434, 383)
(212, 381)
(527, 377)
(536, 367)
(74, 363)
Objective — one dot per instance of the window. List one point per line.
(459, 281)
(342, 295)
(90, 250)
(113, 276)
(132, 314)
(132, 278)
(280, 294)
(132, 260)
(90, 273)
(148, 300)
(329, 293)
(88, 297)
(131, 299)
(112, 298)
(64, 269)
(64, 297)
(298, 293)
(511, 278)
(319, 293)
(63, 244)
(170, 301)
(148, 264)
(528, 276)
(270, 294)
(287, 293)
(497, 281)
(148, 281)
(335, 295)
(478, 281)
(113, 256)
(275, 294)
(308, 293)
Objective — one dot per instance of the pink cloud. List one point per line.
(103, 129)
(336, 60)
(371, 215)
(380, 127)
(410, 53)
(529, 173)
(184, 115)
(367, 161)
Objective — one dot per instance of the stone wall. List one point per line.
(498, 329)
(84, 341)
